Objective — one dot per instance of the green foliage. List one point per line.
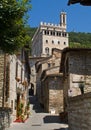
(30, 33)
(13, 33)
(20, 109)
(82, 40)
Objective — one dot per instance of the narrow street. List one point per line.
(39, 120)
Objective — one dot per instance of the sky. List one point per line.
(78, 16)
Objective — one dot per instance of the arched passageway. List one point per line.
(31, 90)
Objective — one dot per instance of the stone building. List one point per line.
(22, 73)
(52, 91)
(32, 61)
(47, 69)
(75, 65)
(14, 82)
(47, 37)
(50, 36)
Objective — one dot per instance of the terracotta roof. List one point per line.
(82, 2)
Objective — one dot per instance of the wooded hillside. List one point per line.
(80, 39)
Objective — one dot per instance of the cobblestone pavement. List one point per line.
(39, 120)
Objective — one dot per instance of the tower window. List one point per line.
(49, 65)
(52, 42)
(46, 41)
(48, 32)
(57, 33)
(45, 32)
(51, 32)
(63, 34)
(58, 42)
(64, 19)
(64, 43)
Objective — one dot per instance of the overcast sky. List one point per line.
(78, 16)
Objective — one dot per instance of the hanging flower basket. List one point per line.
(17, 79)
(25, 83)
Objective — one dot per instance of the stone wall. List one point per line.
(53, 94)
(77, 71)
(12, 86)
(5, 118)
(79, 112)
(80, 71)
(1, 77)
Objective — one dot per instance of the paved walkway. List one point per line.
(39, 120)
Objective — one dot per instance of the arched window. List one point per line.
(64, 19)
(52, 42)
(64, 43)
(46, 41)
(58, 42)
(47, 50)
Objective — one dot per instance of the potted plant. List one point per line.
(17, 79)
(28, 109)
(20, 110)
(22, 118)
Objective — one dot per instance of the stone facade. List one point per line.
(79, 112)
(50, 36)
(12, 79)
(32, 62)
(76, 68)
(5, 118)
(76, 64)
(52, 93)
(48, 63)
(1, 78)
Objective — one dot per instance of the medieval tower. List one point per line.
(50, 36)
(47, 37)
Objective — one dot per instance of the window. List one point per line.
(46, 41)
(49, 65)
(48, 32)
(51, 32)
(65, 34)
(64, 43)
(63, 18)
(57, 34)
(52, 42)
(45, 32)
(16, 69)
(47, 50)
(58, 42)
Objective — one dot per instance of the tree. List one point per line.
(13, 32)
